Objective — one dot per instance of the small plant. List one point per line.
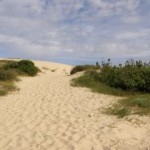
(120, 112)
(53, 70)
(84, 68)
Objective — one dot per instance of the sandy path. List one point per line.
(48, 114)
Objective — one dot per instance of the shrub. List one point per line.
(131, 80)
(91, 79)
(83, 68)
(27, 67)
(22, 67)
(9, 70)
(133, 76)
(93, 75)
(11, 65)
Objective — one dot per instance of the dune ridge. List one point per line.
(48, 114)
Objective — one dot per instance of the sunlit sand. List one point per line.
(47, 113)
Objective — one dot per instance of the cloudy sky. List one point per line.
(75, 31)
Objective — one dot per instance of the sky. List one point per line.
(75, 31)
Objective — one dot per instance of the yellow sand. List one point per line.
(48, 114)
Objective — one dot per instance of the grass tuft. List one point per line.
(6, 87)
(23, 67)
(137, 104)
(10, 70)
(120, 112)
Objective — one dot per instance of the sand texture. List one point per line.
(48, 114)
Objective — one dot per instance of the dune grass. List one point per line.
(10, 70)
(6, 87)
(137, 104)
(90, 80)
(133, 100)
(23, 67)
(7, 75)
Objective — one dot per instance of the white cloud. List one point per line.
(132, 35)
(29, 47)
(131, 19)
(78, 28)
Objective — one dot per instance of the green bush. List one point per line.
(134, 76)
(93, 75)
(9, 70)
(22, 67)
(91, 79)
(131, 80)
(11, 65)
(83, 68)
(27, 67)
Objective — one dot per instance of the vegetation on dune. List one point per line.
(10, 70)
(84, 68)
(25, 67)
(91, 79)
(134, 76)
(6, 87)
(137, 104)
(131, 80)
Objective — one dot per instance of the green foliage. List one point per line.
(137, 104)
(134, 76)
(22, 67)
(84, 68)
(27, 67)
(11, 65)
(6, 87)
(131, 80)
(138, 101)
(9, 70)
(91, 79)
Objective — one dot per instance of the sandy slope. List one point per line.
(48, 114)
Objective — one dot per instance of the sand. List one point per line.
(48, 114)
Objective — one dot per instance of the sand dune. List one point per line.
(48, 114)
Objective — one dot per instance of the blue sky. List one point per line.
(75, 31)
